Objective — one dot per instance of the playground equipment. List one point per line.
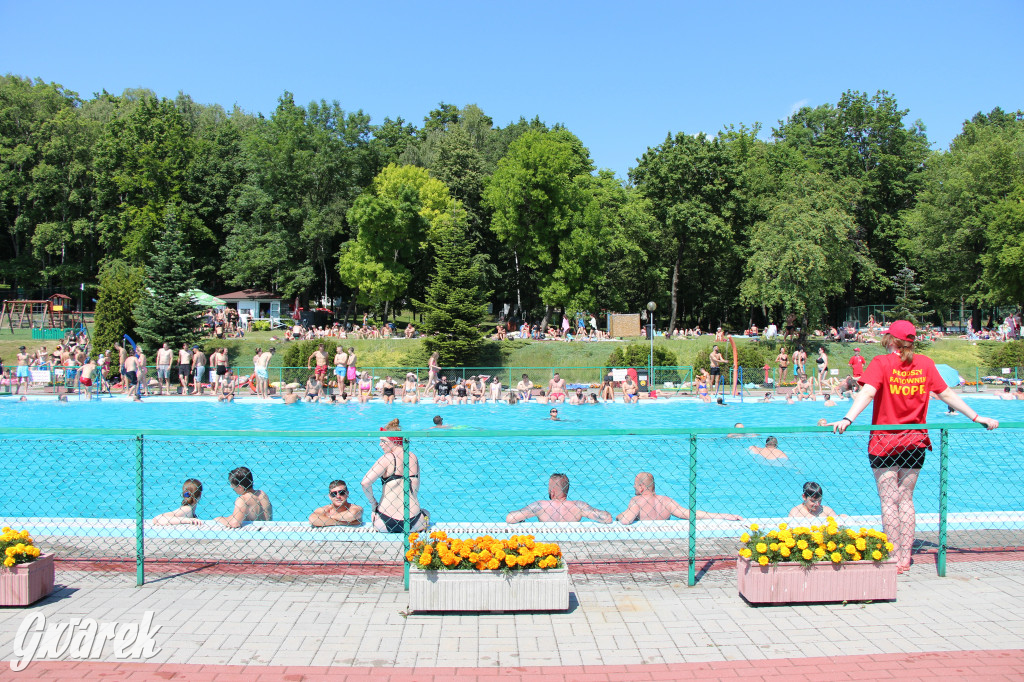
(53, 313)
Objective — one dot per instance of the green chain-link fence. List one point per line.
(96, 496)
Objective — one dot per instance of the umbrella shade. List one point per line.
(203, 298)
(949, 375)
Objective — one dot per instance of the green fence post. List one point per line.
(943, 498)
(140, 538)
(405, 512)
(691, 576)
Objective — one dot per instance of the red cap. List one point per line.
(856, 350)
(903, 330)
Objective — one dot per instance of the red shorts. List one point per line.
(85, 381)
(321, 370)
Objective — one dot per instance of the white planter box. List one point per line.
(531, 589)
(791, 582)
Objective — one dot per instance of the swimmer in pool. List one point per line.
(811, 506)
(191, 492)
(770, 450)
(251, 505)
(648, 506)
(340, 512)
(558, 507)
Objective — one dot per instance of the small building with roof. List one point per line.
(255, 303)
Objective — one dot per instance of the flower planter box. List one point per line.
(23, 584)
(520, 590)
(792, 583)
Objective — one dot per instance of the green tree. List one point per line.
(965, 231)
(689, 181)
(120, 285)
(538, 203)
(164, 311)
(802, 253)
(455, 305)
(909, 305)
(394, 221)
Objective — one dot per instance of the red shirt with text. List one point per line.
(902, 391)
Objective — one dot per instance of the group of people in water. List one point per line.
(387, 509)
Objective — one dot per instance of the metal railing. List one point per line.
(98, 495)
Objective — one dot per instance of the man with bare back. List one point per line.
(647, 506)
(558, 507)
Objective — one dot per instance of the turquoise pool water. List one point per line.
(478, 480)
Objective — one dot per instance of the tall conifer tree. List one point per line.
(165, 312)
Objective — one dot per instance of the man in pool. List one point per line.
(524, 388)
(649, 506)
(811, 506)
(558, 507)
(770, 449)
(556, 389)
(251, 505)
(439, 423)
(340, 512)
(553, 415)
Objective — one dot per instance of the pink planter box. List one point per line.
(791, 583)
(23, 584)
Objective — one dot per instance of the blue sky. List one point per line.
(619, 75)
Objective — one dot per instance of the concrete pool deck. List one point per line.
(621, 625)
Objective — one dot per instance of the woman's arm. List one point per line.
(950, 397)
(864, 397)
(378, 470)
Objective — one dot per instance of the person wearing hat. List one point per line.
(900, 384)
(21, 374)
(856, 364)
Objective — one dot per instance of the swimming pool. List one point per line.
(468, 479)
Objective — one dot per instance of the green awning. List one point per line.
(203, 298)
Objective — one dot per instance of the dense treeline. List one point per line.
(321, 203)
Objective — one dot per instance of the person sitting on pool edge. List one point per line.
(340, 512)
(191, 492)
(251, 505)
(811, 506)
(387, 515)
(648, 506)
(558, 507)
(770, 450)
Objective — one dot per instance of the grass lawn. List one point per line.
(965, 356)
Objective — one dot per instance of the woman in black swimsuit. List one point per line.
(387, 390)
(389, 512)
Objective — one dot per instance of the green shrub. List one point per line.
(637, 355)
(260, 326)
(1009, 354)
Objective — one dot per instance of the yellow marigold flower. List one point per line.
(510, 560)
(783, 526)
(486, 555)
(8, 562)
(413, 537)
(774, 547)
(790, 542)
(10, 551)
(493, 564)
(525, 560)
(763, 560)
(831, 546)
(773, 534)
(745, 552)
(784, 551)
(807, 554)
(761, 547)
(837, 557)
(801, 544)
(424, 559)
(745, 537)
(863, 530)
(850, 549)
(862, 544)
(499, 555)
(817, 537)
(876, 555)
(889, 546)
(856, 556)
(754, 527)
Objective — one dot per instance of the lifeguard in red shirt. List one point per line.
(857, 364)
(900, 383)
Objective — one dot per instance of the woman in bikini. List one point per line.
(433, 370)
(388, 513)
(410, 389)
(822, 362)
(607, 390)
(365, 388)
(783, 360)
(702, 386)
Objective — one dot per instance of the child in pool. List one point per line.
(191, 491)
